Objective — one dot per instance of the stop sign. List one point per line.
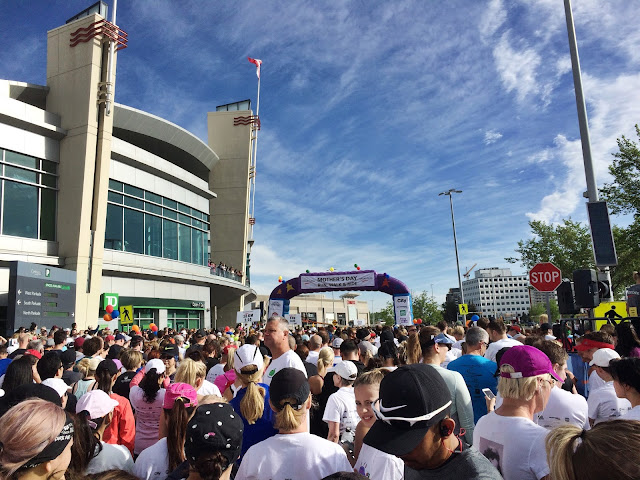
(545, 277)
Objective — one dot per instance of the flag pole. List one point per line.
(254, 160)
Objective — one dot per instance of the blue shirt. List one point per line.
(262, 429)
(4, 364)
(478, 373)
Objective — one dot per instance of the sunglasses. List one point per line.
(410, 420)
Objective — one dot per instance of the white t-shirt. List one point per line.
(147, 418)
(293, 455)
(208, 388)
(111, 457)
(313, 357)
(595, 382)
(214, 372)
(495, 347)
(633, 414)
(288, 359)
(377, 465)
(605, 405)
(563, 407)
(153, 462)
(452, 355)
(341, 408)
(514, 445)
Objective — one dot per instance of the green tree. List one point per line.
(450, 312)
(567, 246)
(426, 308)
(385, 315)
(538, 309)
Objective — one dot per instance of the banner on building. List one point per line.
(360, 322)
(294, 319)
(276, 307)
(340, 282)
(248, 317)
(402, 307)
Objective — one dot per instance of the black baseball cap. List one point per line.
(215, 427)
(170, 350)
(413, 398)
(201, 333)
(286, 384)
(68, 357)
(108, 365)
(114, 351)
(363, 333)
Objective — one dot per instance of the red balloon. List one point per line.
(109, 308)
(419, 320)
(153, 327)
(358, 268)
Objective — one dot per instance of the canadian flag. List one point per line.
(257, 63)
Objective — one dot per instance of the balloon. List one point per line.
(357, 268)
(135, 328)
(109, 308)
(153, 327)
(475, 318)
(226, 329)
(107, 318)
(355, 265)
(415, 321)
(419, 320)
(280, 278)
(331, 269)
(307, 270)
(115, 314)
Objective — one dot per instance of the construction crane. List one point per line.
(466, 275)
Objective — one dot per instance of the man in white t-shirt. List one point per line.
(499, 340)
(341, 413)
(276, 339)
(315, 344)
(603, 403)
(563, 406)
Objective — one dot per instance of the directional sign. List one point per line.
(126, 314)
(41, 294)
(463, 308)
(545, 277)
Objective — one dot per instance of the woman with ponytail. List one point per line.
(122, 429)
(293, 452)
(252, 400)
(160, 459)
(609, 450)
(36, 437)
(147, 399)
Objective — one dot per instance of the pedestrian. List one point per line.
(603, 403)
(626, 383)
(508, 436)
(35, 441)
(499, 339)
(147, 400)
(276, 339)
(293, 451)
(414, 424)
(340, 413)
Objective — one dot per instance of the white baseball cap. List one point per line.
(247, 355)
(346, 370)
(603, 356)
(58, 385)
(155, 363)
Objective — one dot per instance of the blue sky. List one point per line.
(369, 109)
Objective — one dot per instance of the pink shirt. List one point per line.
(147, 418)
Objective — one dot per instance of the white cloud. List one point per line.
(491, 136)
(493, 18)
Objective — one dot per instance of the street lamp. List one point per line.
(455, 241)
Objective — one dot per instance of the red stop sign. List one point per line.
(545, 277)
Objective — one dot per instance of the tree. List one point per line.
(426, 308)
(567, 246)
(450, 312)
(385, 315)
(622, 194)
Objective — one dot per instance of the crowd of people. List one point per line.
(480, 401)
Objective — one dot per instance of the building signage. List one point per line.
(112, 299)
(402, 306)
(294, 319)
(248, 317)
(360, 322)
(276, 307)
(340, 282)
(197, 304)
(41, 294)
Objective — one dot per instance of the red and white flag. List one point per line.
(257, 63)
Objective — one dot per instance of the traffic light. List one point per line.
(566, 304)
(604, 290)
(585, 285)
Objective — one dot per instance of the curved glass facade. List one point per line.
(144, 222)
(28, 195)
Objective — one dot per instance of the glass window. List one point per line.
(20, 174)
(133, 231)
(48, 180)
(152, 197)
(184, 218)
(114, 185)
(169, 214)
(114, 197)
(150, 207)
(170, 203)
(20, 210)
(197, 250)
(170, 239)
(113, 234)
(50, 167)
(19, 159)
(184, 243)
(134, 202)
(153, 235)
(135, 191)
(184, 208)
(48, 214)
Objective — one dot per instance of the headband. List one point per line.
(55, 448)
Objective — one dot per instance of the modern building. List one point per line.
(497, 292)
(133, 204)
(316, 308)
(453, 295)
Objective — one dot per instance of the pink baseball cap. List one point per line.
(180, 390)
(527, 361)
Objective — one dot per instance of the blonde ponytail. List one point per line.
(288, 418)
(413, 349)
(252, 404)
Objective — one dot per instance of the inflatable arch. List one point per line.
(359, 280)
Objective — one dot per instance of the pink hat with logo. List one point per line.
(527, 361)
(180, 390)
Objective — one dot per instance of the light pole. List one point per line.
(455, 241)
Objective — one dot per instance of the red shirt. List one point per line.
(122, 429)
